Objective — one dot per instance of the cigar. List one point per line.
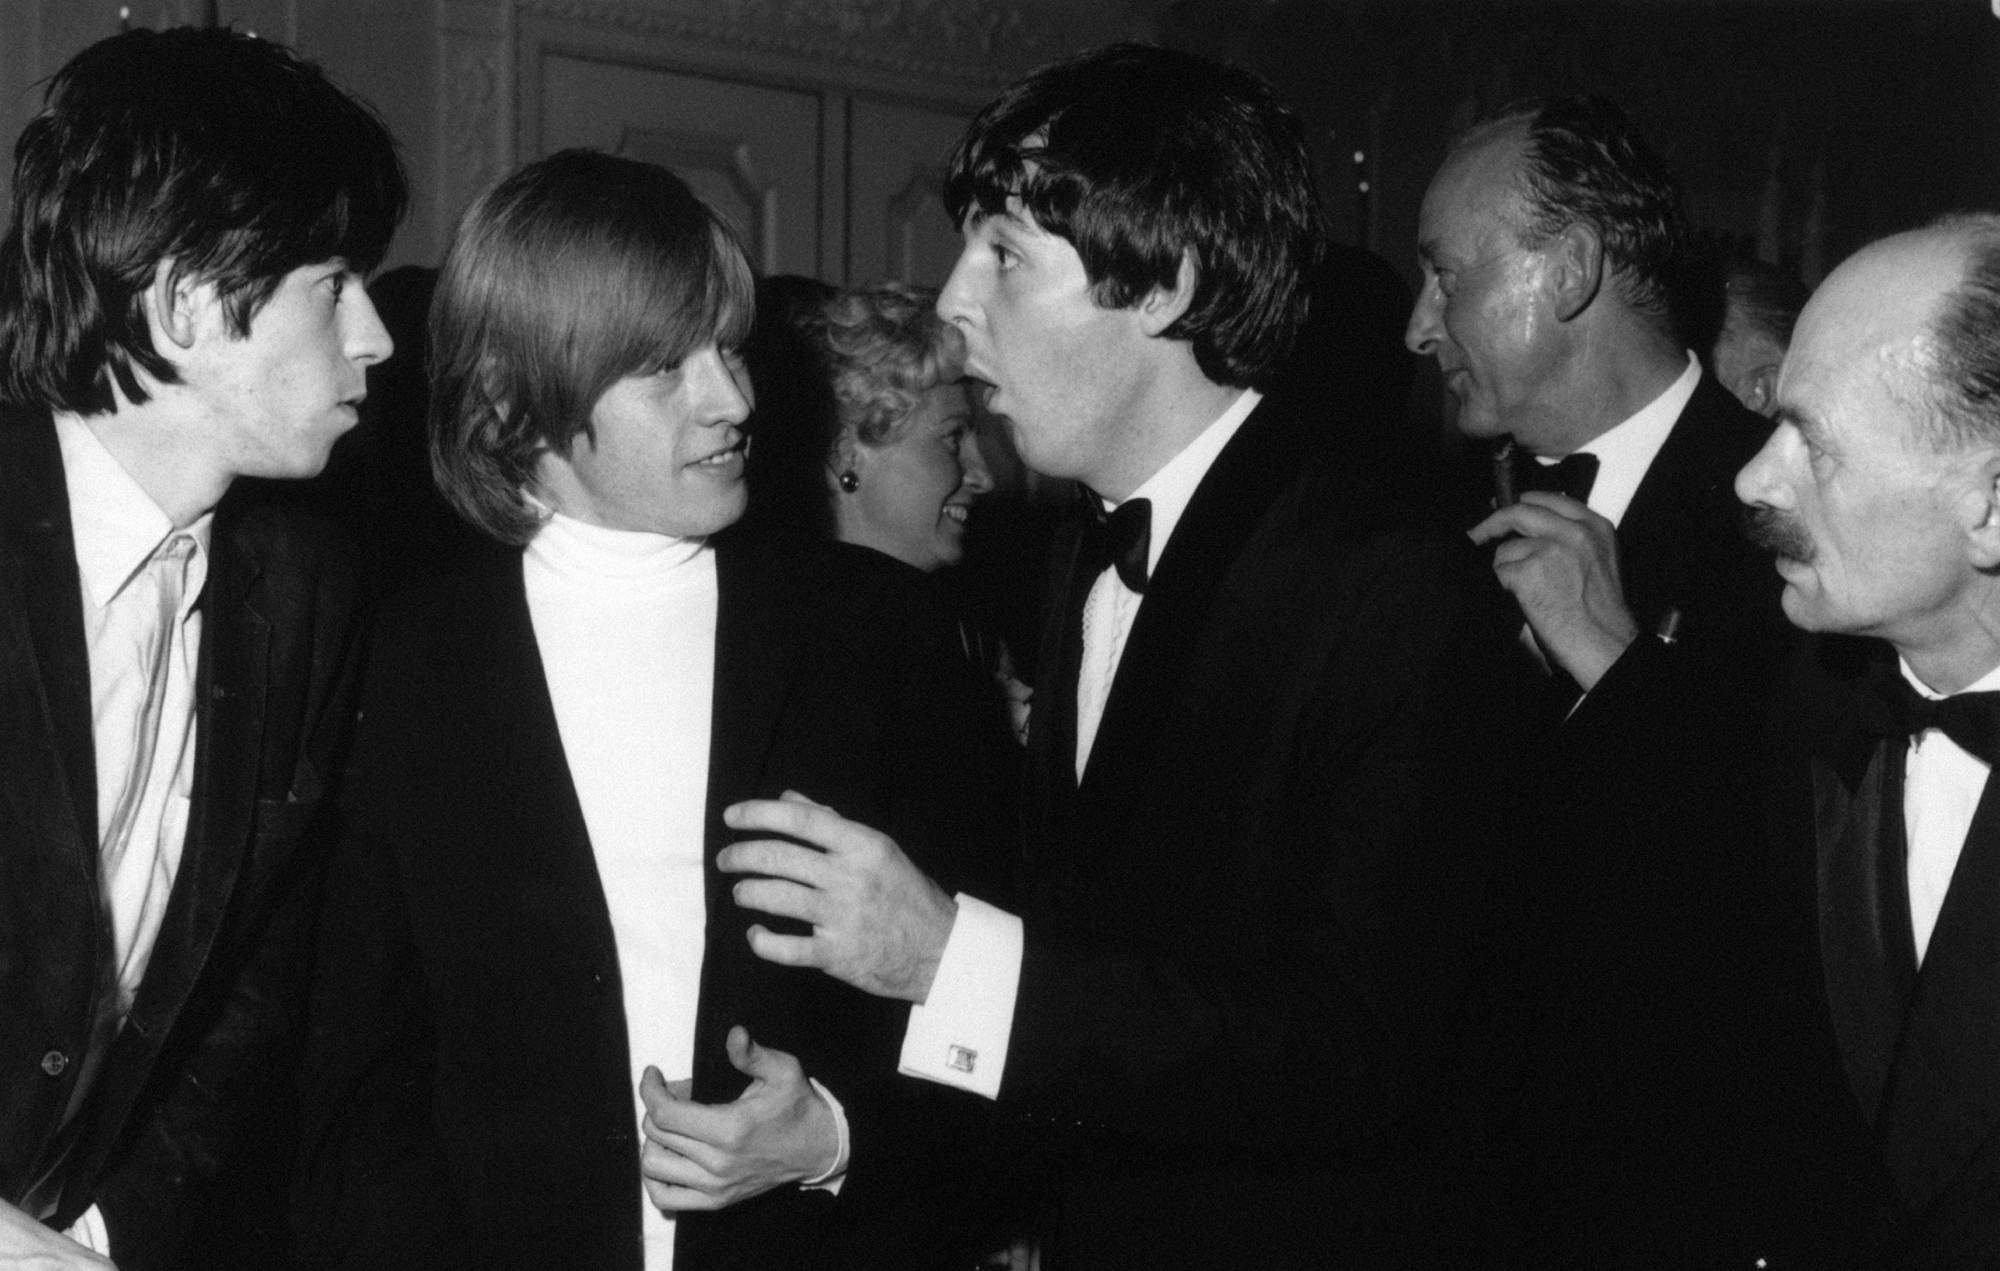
(1504, 493)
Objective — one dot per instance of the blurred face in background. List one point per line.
(913, 492)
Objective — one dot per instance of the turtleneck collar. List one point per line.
(582, 550)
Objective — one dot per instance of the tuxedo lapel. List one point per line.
(1670, 527)
(1232, 499)
(1858, 932)
(1943, 1098)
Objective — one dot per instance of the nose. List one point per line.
(722, 386)
(1761, 483)
(953, 300)
(366, 340)
(973, 473)
(1420, 335)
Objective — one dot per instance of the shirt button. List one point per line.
(54, 1062)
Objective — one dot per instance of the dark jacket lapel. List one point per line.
(1233, 497)
(1670, 528)
(1855, 936)
(38, 552)
(1943, 1101)
(755, 667)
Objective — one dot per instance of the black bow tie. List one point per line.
(1122, 540)
(1572, 475)
(1886, 706)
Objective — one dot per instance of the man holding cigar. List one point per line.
(1550, 241)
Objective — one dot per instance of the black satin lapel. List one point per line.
(1688, 491)
(1854, 943)
(36, 536)
(1050, 782)
(1943, 1101)
(1232, 499)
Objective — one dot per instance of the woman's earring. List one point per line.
(849, 482)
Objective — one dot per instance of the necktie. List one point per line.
(1886, 706)
(1123, 541)
(1573, 475)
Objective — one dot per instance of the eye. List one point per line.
(1005, 256)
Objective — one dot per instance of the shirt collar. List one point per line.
(1170, 489)
(1984, 684)
(116, 525)
(1625, 451)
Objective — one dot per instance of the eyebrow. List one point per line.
(1807, 426)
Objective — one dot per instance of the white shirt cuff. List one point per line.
(830, 1179)
(90, 1232)
(959, 1035)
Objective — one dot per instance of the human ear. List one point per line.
(1163, 306)
(1576, 273)
(1981, 506)
(1760, 387)
(171, 306)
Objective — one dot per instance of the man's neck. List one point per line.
(152, 444)
(1950, 656)
(1178, 406)
(1607, 386)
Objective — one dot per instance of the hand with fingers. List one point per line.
(879, 923)
(1560, 561)
(700, 1156)
(27, 1244)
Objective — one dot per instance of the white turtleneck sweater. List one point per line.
(626, 626)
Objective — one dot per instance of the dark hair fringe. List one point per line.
(1139, 157)
(220, 155)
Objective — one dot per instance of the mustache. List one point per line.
(1779, 533)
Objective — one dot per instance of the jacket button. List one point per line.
(54, 1062)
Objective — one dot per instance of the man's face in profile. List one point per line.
(278, 397)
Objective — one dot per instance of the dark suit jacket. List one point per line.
(1633, 999)
(1240, 959)
(1890, 1125)
(469, 1094)
(219, 1005)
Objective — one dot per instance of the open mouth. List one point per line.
(957, 513)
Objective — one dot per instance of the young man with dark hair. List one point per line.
(180, 305)
(1262, 777)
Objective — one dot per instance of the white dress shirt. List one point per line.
(141, 578)
(1626, 450)
(960, 1033)
(1942, 784)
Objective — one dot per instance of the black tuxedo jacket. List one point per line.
(1631, 917)
(1891, 1125)
(469, 1095)
(1242, 925)
(218, 1009)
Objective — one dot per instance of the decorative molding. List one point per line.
(724, 155)
(475, 103)
(970, 42)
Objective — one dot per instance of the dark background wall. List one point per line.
(1801, 127)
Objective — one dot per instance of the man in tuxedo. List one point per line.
(1879, 495)
(1266, 765)
(538, 1037)
(180, 305)
(1551, 241)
